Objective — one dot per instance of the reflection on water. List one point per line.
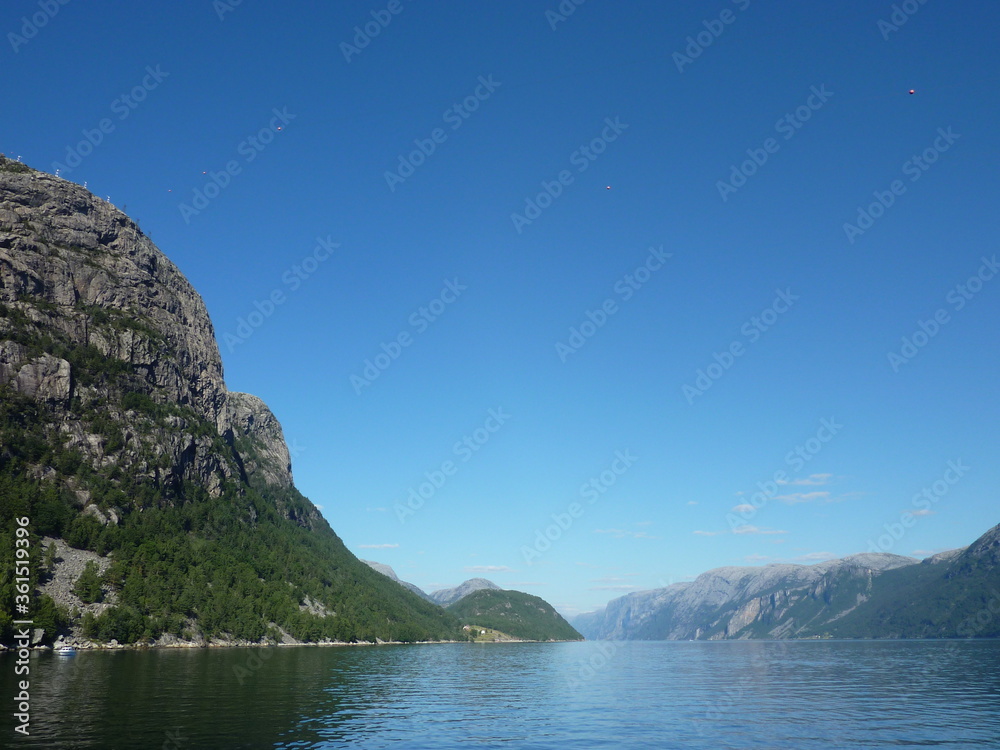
(812, 694)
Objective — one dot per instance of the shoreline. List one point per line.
(94, 646)
(189, 645)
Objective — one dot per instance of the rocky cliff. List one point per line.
(870, 595)
(80, 281)
(774, 601)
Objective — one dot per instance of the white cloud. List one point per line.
(748, 529)
(708, 533)
(811, 557)
(802, 497)
(812, 480)
(614, 588)
(743, 508)
(622, 533)
(488, 569)
(922, 512)
(377, 546)
(816, 556)
(692, 502)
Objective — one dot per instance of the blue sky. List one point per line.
(436, 202)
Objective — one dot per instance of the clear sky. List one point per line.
(457, 187)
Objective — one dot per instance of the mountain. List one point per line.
(870, 595)
(949, 595)
(517, 614)
(479, 601)
(446, 597)
(169, 498)
(388, 572)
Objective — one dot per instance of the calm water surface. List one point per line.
(798, 695)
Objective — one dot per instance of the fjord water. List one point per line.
(800, 694)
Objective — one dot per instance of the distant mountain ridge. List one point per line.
(387, 571)
(446, 597)
(480, 602)
(869, 595)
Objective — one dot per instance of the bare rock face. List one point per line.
(247, 420)
(724, 602)
(63, 250)
(84, 291)
(44, 378)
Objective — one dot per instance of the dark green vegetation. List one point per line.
(956, 599)
(8, 165)
(516, 614)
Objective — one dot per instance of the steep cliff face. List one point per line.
(871, 595)
(64, 252)
(81, 285)
(774, 601)
(255, 431)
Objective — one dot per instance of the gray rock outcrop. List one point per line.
(83, 288)
(444, 597)
(776, 601)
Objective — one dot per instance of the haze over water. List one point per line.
(735, 694)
